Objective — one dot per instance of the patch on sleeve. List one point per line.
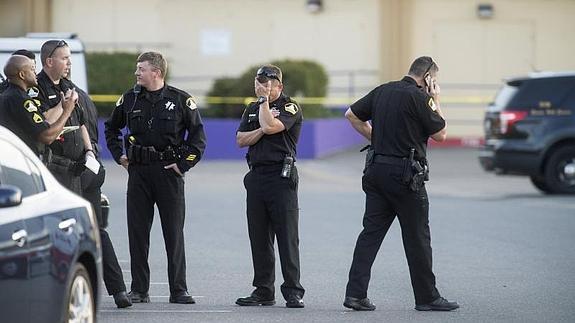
(120, 101)
(191, 103)
(30, 106)
(431, 104)
(291, 108)
(33, 92)
(191, 157)
(37, 118)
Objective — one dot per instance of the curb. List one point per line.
(473, 142)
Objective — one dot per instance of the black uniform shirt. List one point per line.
(403, 116)
(160, 119)
(271, 149)
(71, 144)
(22, 115)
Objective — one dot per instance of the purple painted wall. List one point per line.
(319, 137)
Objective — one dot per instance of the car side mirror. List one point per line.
(10, 196)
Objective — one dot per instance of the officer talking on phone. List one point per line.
(270, 127)
(403, 115)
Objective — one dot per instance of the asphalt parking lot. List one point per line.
(501, 249)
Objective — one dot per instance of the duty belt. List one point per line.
(148, 154)
(392, 160)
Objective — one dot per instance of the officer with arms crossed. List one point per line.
(165, 139)
(271, 128)
(403, 114)
(22, 114)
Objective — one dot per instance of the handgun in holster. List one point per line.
(418, 172)
(369, 156)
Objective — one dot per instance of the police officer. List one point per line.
(22, 114)
(271, 127)
(403, 114)
(70, 150)
(158, 153)
(23, 52)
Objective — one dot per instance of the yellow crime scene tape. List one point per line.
(329, 101)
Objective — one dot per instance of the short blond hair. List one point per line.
(156, 60)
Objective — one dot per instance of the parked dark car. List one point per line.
(50, 258)
(530, 130)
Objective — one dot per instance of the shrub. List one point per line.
(300, 77)
(110, 73)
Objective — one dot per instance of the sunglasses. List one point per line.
(429, 68)
(60, 43)
(267, 74)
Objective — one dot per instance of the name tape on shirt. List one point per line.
(291, 108)
(431, 104)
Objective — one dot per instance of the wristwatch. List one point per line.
(262, 99)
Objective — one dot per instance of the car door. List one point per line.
(15, 253)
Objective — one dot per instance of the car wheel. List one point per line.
(560, 171)
(80, 305)
(539, 182)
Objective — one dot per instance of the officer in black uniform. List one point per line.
(69, 151)
(158, 153)
(403, 114)
(22, 52)
(271, 128)
(22, 114)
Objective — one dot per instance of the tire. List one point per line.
(539, 182)
(560, 171)
(80, 303)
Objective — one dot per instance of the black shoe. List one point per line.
(358, 304)
(295, 301)
(122, 300)
(439, 304)
(182, 298)
(136, 297)
(255, 300)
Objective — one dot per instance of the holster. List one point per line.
(369, 156)
(60, 164)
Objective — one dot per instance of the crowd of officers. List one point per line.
(164, 138)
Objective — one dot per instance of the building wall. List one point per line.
(360, 42)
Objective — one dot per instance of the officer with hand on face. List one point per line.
(165, 139)
(403, 114)
(22, 114)
(271, 128)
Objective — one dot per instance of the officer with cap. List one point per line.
(270, 127)
(165, 139)
(22, 114)
(403, 114)
(70, 151)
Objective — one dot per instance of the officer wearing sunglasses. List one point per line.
(270, 127)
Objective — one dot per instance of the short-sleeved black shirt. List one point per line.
(402, 115)
(271, 149)
(71, 144)
(22, 115)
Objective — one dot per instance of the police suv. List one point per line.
(530, 130)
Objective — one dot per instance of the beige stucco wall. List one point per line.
(344, 36)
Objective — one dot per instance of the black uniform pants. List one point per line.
(68, 180)
(91, 191)
(272, 210)
(149, 185)
(386, 198)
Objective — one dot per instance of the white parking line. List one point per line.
(163, 311)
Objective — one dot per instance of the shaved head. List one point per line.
(15, 65)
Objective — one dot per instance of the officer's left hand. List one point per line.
(174, 166)
(262, 89)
